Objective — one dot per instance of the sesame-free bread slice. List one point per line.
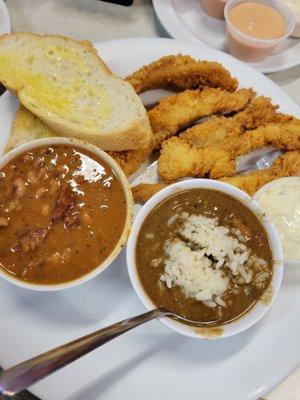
(26, 127)
(66, 84)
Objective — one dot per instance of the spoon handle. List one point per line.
(31, 371)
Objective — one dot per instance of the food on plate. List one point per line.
(294, 6)
(178, 160)
(214, 124)
(216, 130)
(26, 127)
(131, 160)
(175, 112)
(280, 136)
(181, 110)
(281, 202)
(183, 72)
(204, 255)
(226, 134)
(63, 211)
(66, 84)
(255, 28)
(286, 165)
(144, 191)
(214, 8)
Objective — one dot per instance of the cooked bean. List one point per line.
(54, 186)
(41, 192)
(19, 187)
(3, 222)
(45, 210)
(32, 176)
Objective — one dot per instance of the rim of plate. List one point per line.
(168, 18)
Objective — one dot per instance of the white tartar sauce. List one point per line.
(281, 203)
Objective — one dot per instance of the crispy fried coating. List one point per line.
(144, 191)
(181, 110)
(182, 72)
(286, 165)
(177, 111)
(281, 136)
(213, 132)
(131, 160)
(220, 130)
(259, 112)
(178, 160)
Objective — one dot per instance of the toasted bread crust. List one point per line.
(132, 133)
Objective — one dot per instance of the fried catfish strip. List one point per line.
(178, 160)
(182, 72)
(178, 111)
(259, 112)
(213, 132)
(144, 191)
(131, 160)
(220, 130)
(181, 110)
(286, 165)
(281, 136)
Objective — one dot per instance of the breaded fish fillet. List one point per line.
(181, 110)
(286, 165)
(144, 191)
(259, 111)
(178, 160)
(281, 136)
(177, 111)
(182, 72)
(219, 130)
(213, 132)
(131, 160)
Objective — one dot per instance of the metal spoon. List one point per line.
(23, 375)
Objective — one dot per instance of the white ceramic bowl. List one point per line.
(129, 215)
(258, 310)
(288, 262)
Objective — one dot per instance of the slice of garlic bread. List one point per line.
(26, 127)
(66, 84)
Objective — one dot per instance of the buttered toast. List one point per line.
(67, 86)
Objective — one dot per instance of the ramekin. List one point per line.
(288, 262)
(249, 48)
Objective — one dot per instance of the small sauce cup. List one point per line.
(214, 8)
(259, 308)
(249, 48)
(280, 183)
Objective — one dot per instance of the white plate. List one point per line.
(185, 20)
(151, 361)
(4, 18)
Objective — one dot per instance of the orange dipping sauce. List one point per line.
(254, 29)
(257, 20)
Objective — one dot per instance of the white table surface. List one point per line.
(97, 21)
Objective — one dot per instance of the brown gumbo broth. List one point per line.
(62, 212)
(155, 231)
